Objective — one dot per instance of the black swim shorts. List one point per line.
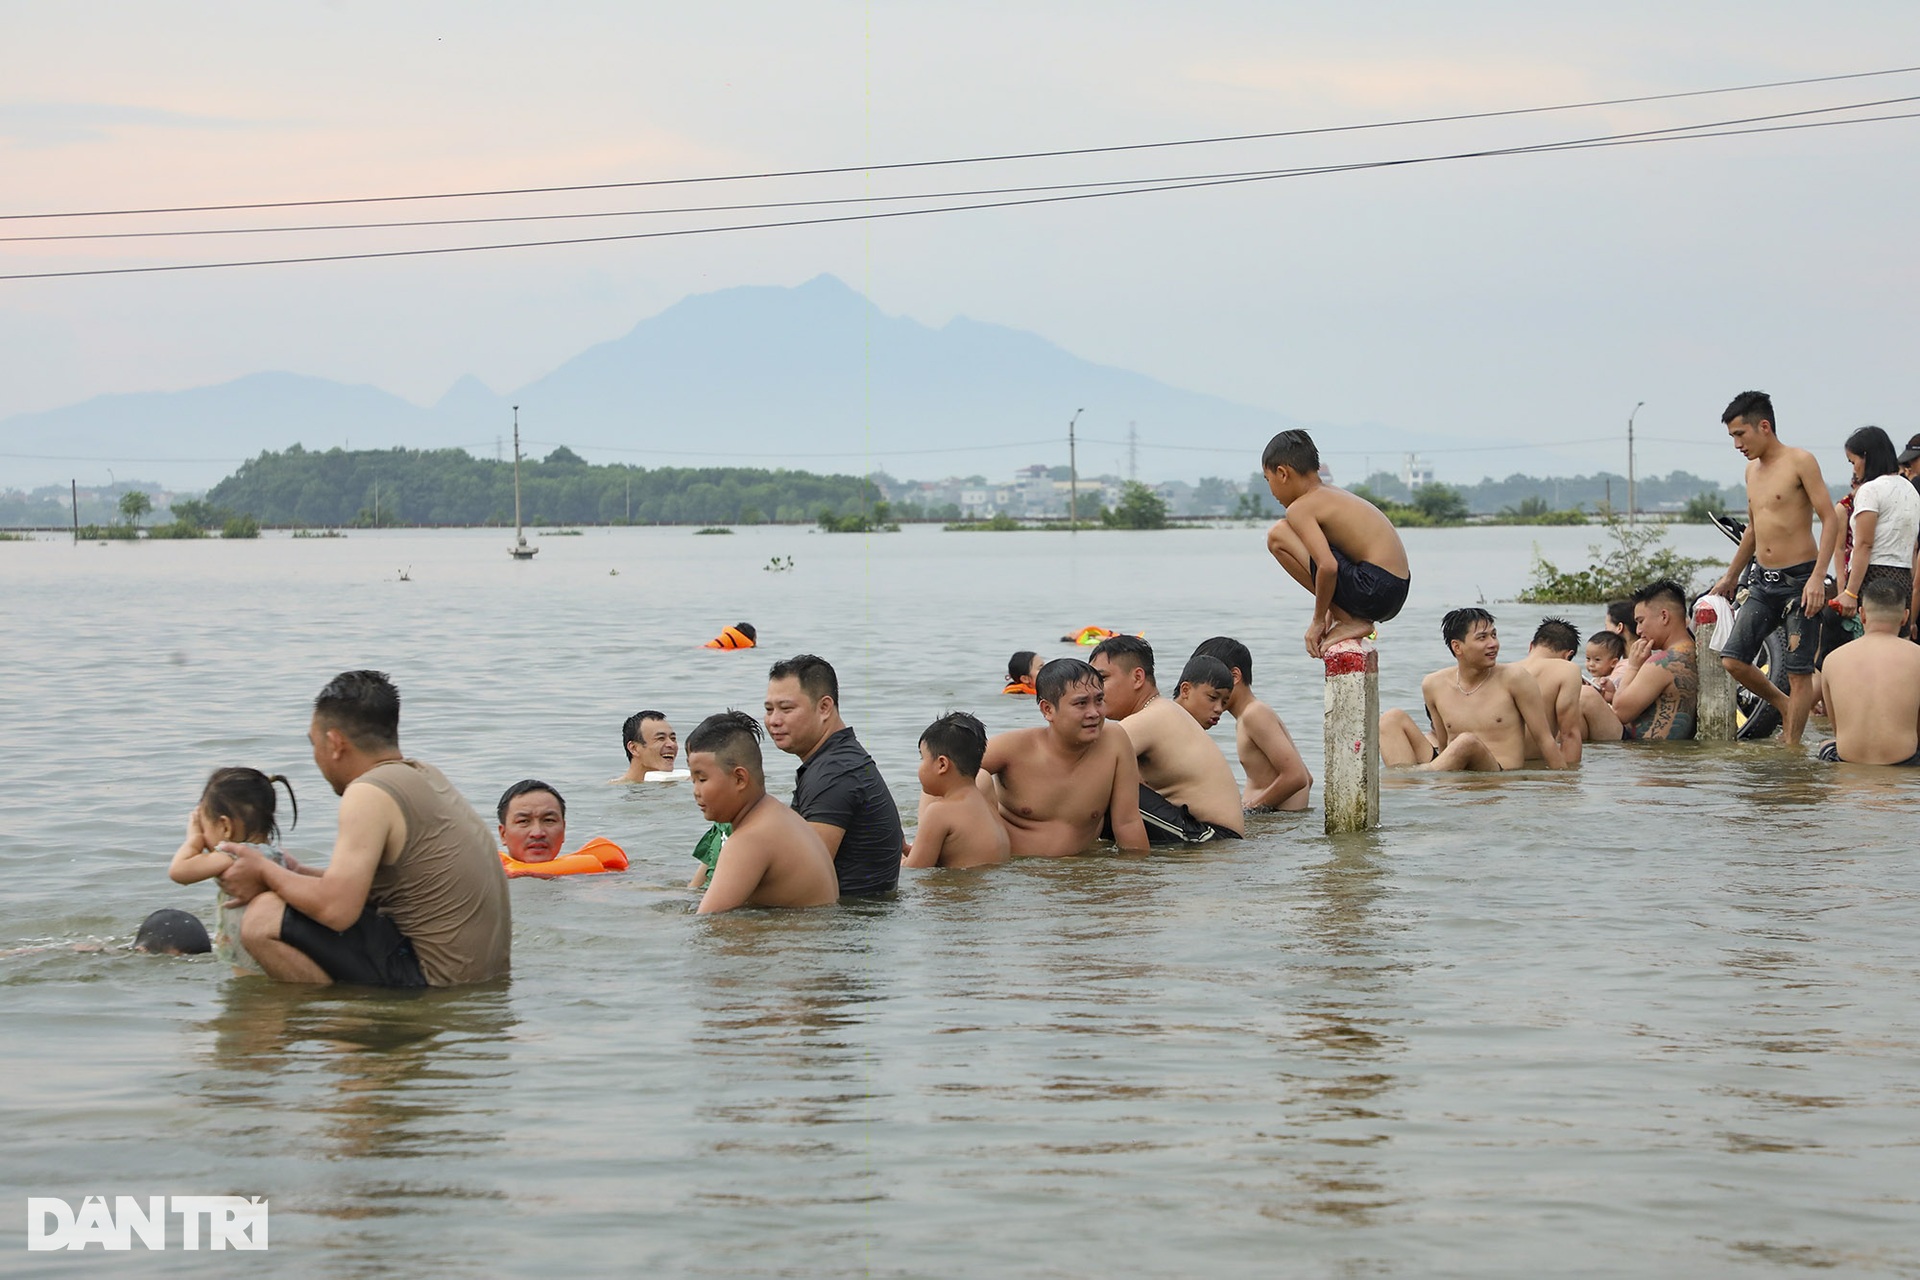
(370, 952)
(1774, 601)
(1830, 752)
(1364, 589)
(1168, 823)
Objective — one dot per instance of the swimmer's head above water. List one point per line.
(169, 932)
(723, 755)
(1206, 686)
(1072, 699)
(533, 821)
(649, 742)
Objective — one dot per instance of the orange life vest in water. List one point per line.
(1020, 686)
(596, 855)
(730, 638)
(1091, 635)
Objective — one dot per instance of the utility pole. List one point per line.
(1073, 476)
(629, 497)
(74, 485)
(1133, 452)
(1630, 494)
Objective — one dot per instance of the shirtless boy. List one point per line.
(1339, 547)
(958, 828)
(1658, 691)
(1549, 661)
(1873, 686)
(1484, 716)
(651, 746)
(1785, 493)
(773, 858)
(1277, 777)
(1205, 686)
(1178, 761)
(1055, 786)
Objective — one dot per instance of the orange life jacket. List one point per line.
(1093, 635)
(729, 638)
(596, 855)
(1020, 686)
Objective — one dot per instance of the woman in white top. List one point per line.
(1886, 518)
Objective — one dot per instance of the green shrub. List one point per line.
(240, 527)
(1638, 556)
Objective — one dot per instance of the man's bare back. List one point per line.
(1054, 799)
(1256, 724)
(1178, 760)
(1560, 682)
(1873, 695)
(774, 858)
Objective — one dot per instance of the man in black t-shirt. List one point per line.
(838, 788)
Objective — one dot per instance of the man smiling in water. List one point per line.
(1483, 714)
(1055, 786)
(651, 746)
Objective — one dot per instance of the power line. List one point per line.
(985, 159)
(1676, 133)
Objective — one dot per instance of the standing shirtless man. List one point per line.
(1785, 493)
(1057, 785)
(1177, 760)
(1484, 715)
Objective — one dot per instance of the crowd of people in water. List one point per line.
(416, 891)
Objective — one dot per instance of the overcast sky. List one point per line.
(1498, 298)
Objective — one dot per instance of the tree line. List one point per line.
(369, 487)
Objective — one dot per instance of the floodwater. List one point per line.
(1661, 1017)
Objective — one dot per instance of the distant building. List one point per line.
(1415, 472)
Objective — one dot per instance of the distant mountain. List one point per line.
(813, 377)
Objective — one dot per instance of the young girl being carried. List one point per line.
(236, 807)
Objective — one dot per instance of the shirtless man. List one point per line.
(1178, 761)
(774, 858)
(1659, 690)
(651, 746)
(1056, 786)
(1484, 716)
(1277, 777)
(1549, 661)
(1785, 493)
(1873, 686)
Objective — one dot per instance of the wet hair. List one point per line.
(1612, 643)
(1019, 663)
(245, 798)
(1754, 406)
(1061, 675)
(745, 629)
(172, 932)
(1620, 613)
(1131, 650)
(364, 706)
(1230, 652)
(1204, 669)
(1558, 635)
(815, 675)
(1665, 591)
(524, 787)
(1294, 450)
(959, 737)
(733, 738)
(1876, 453)
(1883, 594)
(630, 731)
(1459, 622)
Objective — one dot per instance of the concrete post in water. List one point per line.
(1350, 786)
(1716, 719)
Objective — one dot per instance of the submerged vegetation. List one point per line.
(1638, 555)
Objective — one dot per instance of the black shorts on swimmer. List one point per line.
(1168, 823)
(1364, 589)
(1830, 752)
(1774, 601)
(370, 952)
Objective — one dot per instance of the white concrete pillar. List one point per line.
(1715, 720)
(1350, 782)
